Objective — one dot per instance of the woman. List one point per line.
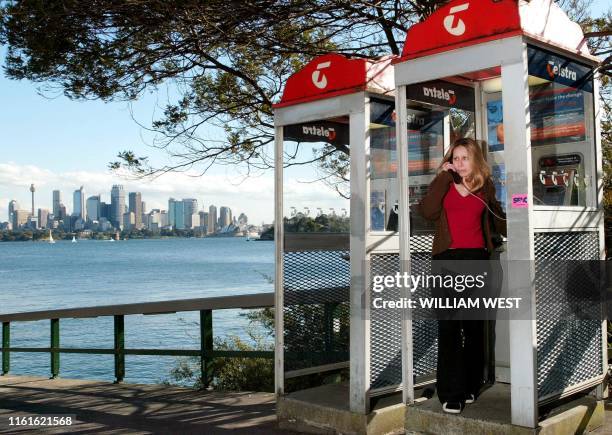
(464, 207)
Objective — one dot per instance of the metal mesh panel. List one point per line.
(424, 332)
(569, 348)
(385, 328)
(316, 308)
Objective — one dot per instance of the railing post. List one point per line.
(119, 349)
(206, 346)
(55, 344)
(6, 344)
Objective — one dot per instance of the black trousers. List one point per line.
(461, 343)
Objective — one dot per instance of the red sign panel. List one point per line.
(325, 76)
(460, 23)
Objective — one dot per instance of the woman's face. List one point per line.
(462, 161)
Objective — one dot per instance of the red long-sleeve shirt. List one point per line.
(464, 219)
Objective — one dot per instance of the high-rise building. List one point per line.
(78, 203)
(57, 200)
(212, 220)
(195, 221)
(94, 208)
(135, 201)
(32, 222)
(203, 220)
(171, 216)
(62, 212)
(128, 220)
(105, 211)
(179, 215)
(190, 208)
(243, 219)
(176, 214)
(152, 220)
(163, 219)
(12, 208)
(117, 205)
(225, 217)
(43, 217)
(20, 218)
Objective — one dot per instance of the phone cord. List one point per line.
(480, 199)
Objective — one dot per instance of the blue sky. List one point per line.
(54, 132)
(60, 143)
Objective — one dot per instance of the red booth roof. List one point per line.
(461, 23)
(331, 75)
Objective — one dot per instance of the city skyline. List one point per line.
(124, 210)
(254, 196)
(155, 193)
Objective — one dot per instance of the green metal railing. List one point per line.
(205, 306)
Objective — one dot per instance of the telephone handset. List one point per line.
(458, 179)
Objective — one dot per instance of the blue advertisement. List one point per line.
(558, 69)
(495, 125)
(556, 112)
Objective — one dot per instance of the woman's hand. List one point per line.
(448, 166)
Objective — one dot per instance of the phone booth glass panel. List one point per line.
(562, 130)
(316, 268)
(384, 190)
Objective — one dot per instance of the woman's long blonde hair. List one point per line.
(480, 168)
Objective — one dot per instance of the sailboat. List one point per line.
(74, 239)
(51, 237)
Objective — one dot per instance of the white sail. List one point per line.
(51, 237)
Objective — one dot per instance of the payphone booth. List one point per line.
(336, 196)
(519, 76)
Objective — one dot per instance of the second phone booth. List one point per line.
(519, 76)
(336, 203)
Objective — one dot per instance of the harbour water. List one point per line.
(40, 276)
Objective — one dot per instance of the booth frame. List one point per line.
(510, 54)
(356, 106)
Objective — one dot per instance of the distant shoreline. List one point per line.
(43, 236)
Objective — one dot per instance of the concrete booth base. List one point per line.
(490, 415)
(325, 410)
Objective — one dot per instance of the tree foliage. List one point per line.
(225, 61)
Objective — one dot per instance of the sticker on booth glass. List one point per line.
(519, 200)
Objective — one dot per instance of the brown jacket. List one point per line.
(432, 209)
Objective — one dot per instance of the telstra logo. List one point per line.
(452, 26)
(556, 69)
(328, 133)
(441, 94)
(319, 79)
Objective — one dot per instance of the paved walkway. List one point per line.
(102, 407)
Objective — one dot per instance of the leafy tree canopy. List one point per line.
(227, 60)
